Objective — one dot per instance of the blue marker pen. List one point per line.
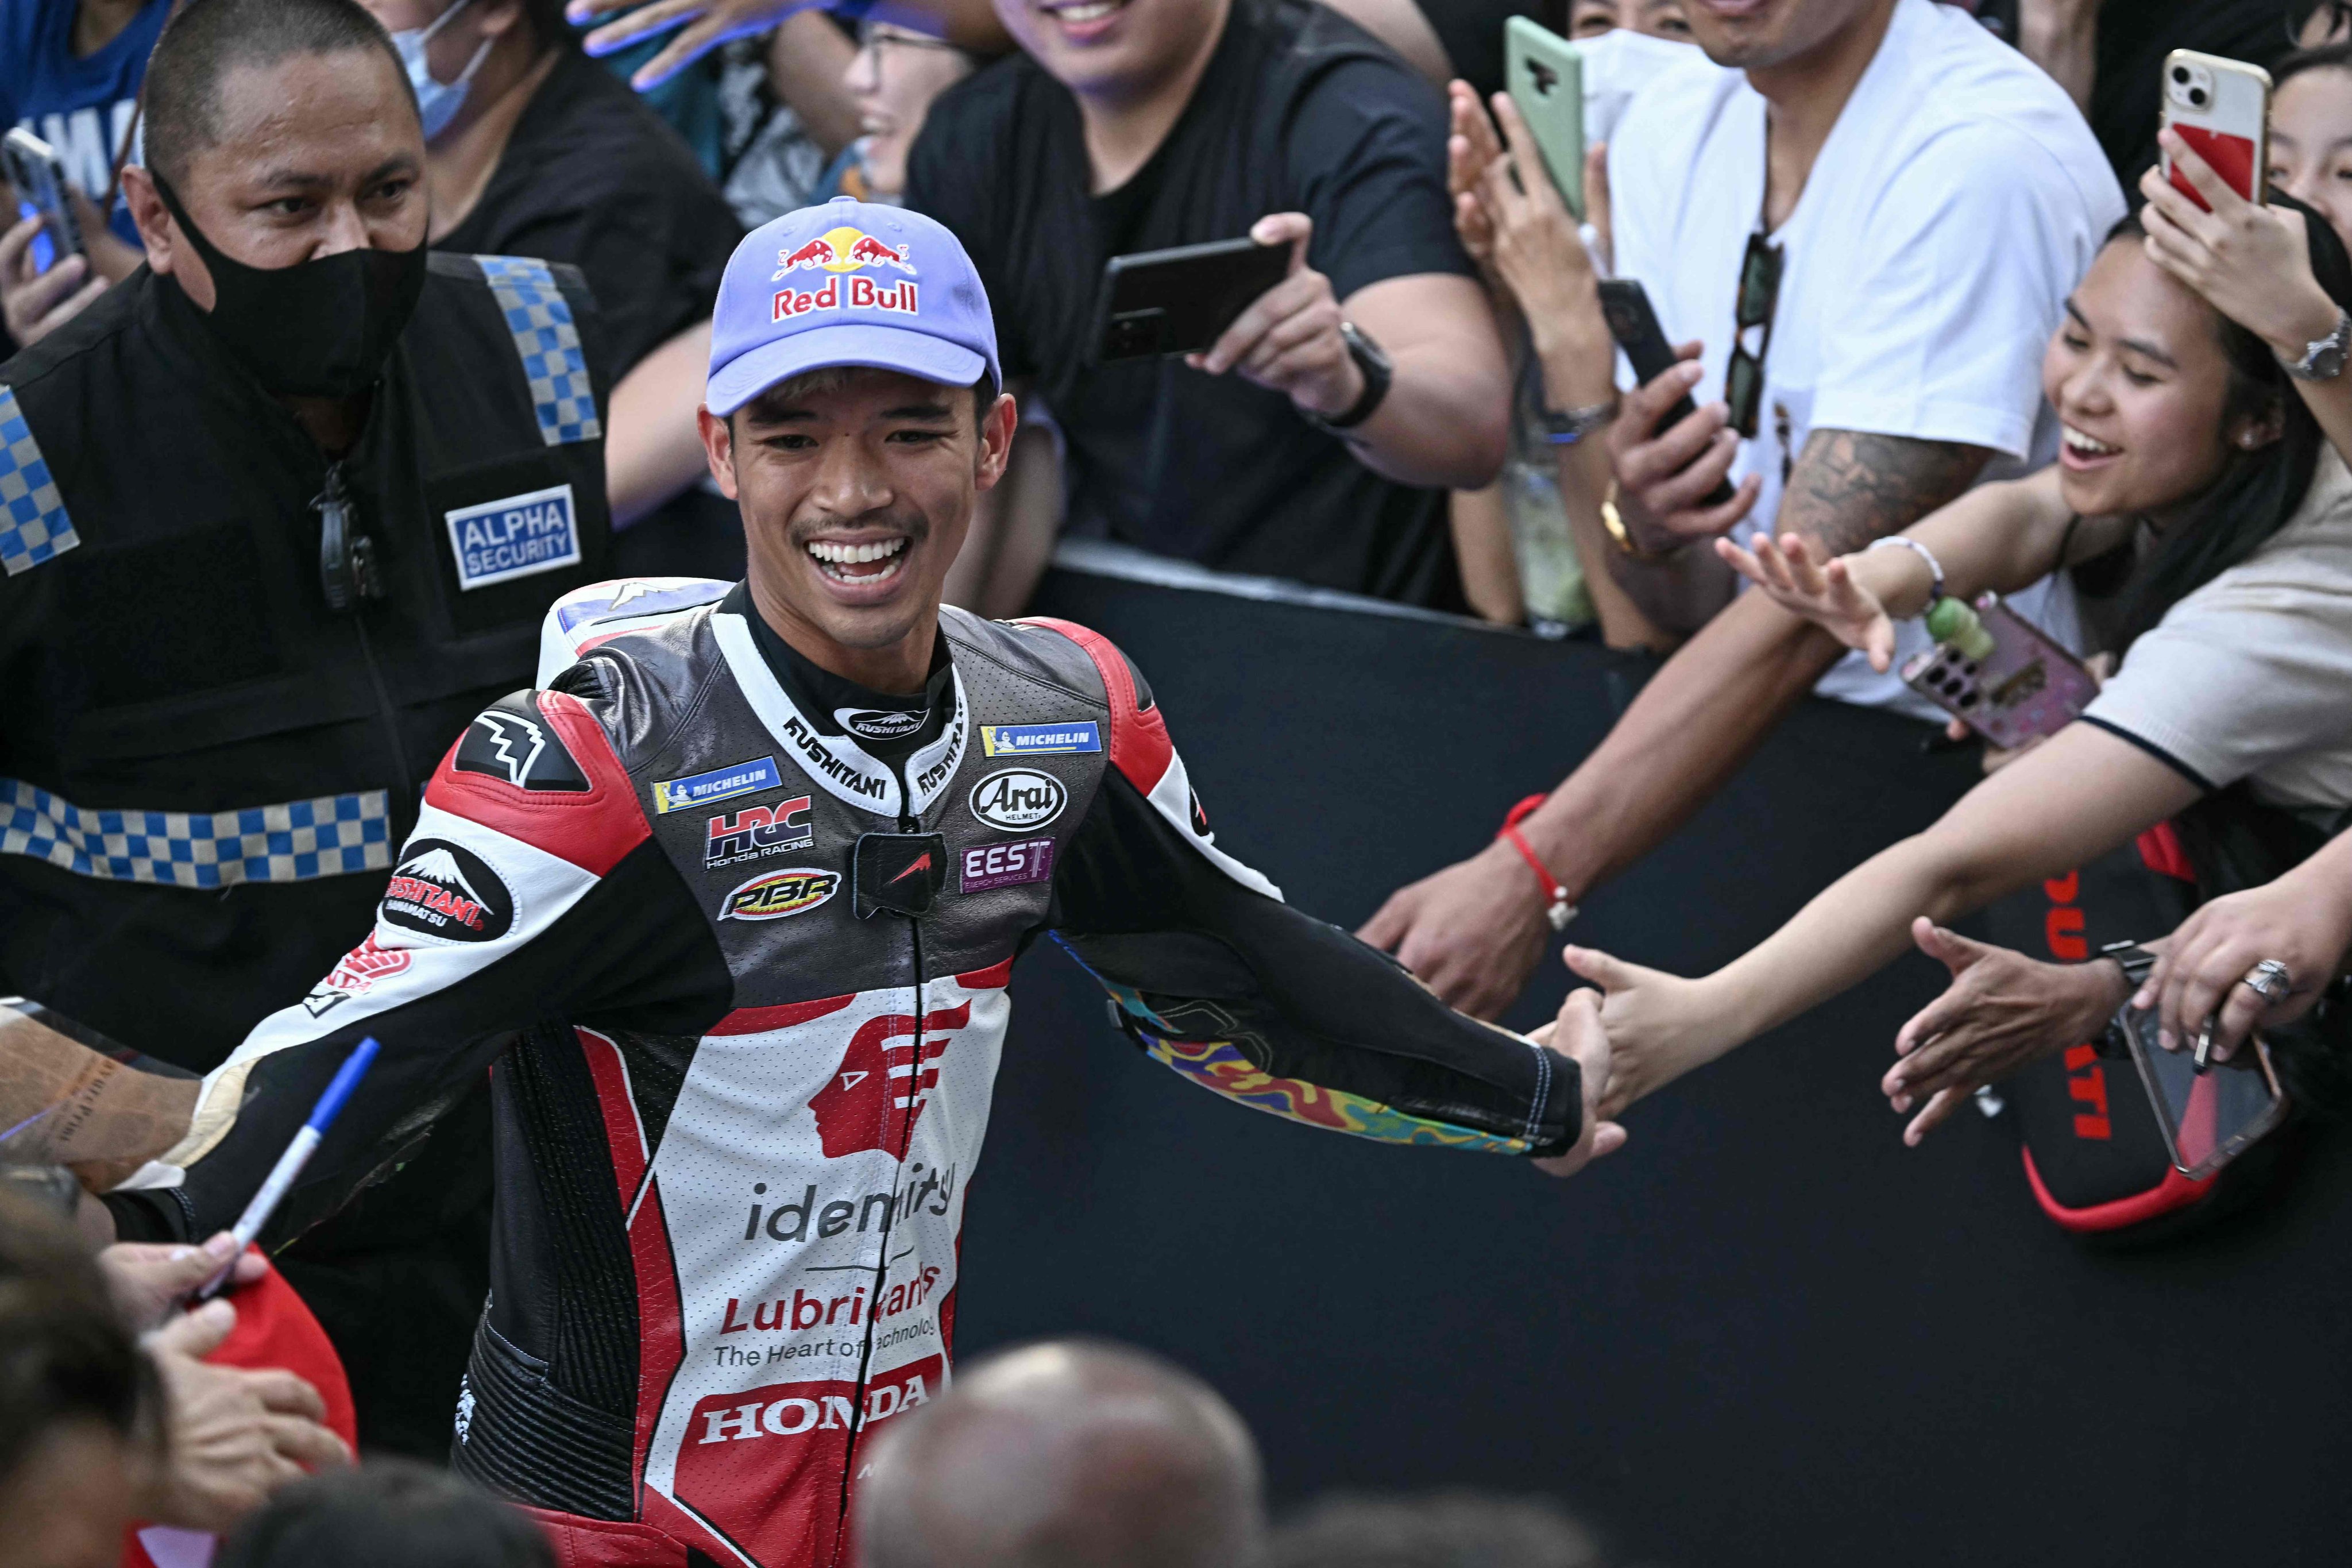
(289, 1164)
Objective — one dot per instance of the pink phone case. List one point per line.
(2028, 686)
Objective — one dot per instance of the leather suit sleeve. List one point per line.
(1215, 976)
(532, 890)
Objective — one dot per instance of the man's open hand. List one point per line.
(1472, 932)
(1577, 1034)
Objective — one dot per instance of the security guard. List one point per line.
(279, 515)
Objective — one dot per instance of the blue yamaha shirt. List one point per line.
(80, 107)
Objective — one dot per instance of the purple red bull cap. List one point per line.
(848, 284)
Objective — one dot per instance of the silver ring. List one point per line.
(2268, 980)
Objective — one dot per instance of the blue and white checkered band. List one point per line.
(33, 521)
(302, 839)
(548, 343)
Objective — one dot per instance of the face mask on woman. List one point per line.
(437, 102)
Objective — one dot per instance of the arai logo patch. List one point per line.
(1018, 798)
(499, 541)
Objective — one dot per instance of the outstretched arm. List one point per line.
(2081, 792)
(1475, 931)
(1214, 977)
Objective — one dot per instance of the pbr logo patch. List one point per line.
(520, 747)
(445, 890)
(1018, 798)
(520, 536)
(776, 894)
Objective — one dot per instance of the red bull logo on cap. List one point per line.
(832, 254)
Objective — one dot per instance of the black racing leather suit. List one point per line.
(740, 962)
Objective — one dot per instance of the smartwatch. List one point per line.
(1378, 371)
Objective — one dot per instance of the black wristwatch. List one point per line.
(2137, 963)
(1378, 373)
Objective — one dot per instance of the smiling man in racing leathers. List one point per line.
(732, 903)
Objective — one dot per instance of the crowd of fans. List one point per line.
(1929, 290)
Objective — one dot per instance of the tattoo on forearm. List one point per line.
(1848, 488)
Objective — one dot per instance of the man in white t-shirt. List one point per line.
(1932, 198)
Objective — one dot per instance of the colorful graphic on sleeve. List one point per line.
(1218, 1066)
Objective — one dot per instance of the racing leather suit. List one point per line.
(738, 1106)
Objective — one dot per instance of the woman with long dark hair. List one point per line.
(2203, 490)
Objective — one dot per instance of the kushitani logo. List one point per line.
(446, 890)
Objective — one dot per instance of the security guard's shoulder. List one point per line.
(545, 315)
(48, 393)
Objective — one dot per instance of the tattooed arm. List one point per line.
(1476, 930)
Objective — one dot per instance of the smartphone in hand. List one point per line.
(1625, 306)
(1546, 83)
(37, 176)
(1180, 301)
(2222, 109)
(2003, 677)
(2209, 1114)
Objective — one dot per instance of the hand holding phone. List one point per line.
(1999, 673)
(1672, 460)
(2211, 1113)
(2222, 108)
(37, 177)
(1546, 75)
(1180, 301)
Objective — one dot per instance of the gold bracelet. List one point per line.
(1619, 536)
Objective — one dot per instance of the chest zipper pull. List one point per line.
(347, 568)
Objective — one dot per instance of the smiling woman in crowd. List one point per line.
(2204, 494)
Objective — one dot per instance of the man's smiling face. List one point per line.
(856, 487)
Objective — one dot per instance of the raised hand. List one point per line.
(2302, 921)
(1578, 1034)
(1825, 592)
(2251, 263)
(1659, 1026)
(236, 1434)
(2002, 1011)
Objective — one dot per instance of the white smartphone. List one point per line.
(2222, 109)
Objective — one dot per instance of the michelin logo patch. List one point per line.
(1035, 739)
(502, 540)
(718, 783)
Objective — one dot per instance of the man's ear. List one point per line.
(996, 428)
(155, 220)
(719, 448)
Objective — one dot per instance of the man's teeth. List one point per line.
(855, 554)
(2078, 442)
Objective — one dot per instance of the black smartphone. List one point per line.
(37, 176)
(2211, 1113)
(1180, 301)
(1625, 306)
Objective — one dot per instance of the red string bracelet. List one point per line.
(1558, 910)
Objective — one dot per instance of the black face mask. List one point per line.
(317, 329)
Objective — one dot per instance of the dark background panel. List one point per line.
(1766, 1333)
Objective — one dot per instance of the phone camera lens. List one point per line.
(2180, 74)
(1969, 699)
(2196, 96)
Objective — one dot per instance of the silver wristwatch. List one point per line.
(2324, 360)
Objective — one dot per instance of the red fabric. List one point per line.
(2175, 1192)
(624, 1133)
(592, 828)
(604, 1543)
(274, 1329)
(995, 977)
(1139, 746)
(2160, 851)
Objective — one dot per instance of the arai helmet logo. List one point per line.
(1018, 798)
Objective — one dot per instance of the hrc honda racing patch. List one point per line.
(445, 890)
(518, 536)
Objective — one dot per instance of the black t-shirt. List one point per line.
(1298, 110)
(1472, 33)
(593, 177)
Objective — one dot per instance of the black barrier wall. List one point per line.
(1766, 1333)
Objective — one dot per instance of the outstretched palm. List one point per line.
(1824, 592)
